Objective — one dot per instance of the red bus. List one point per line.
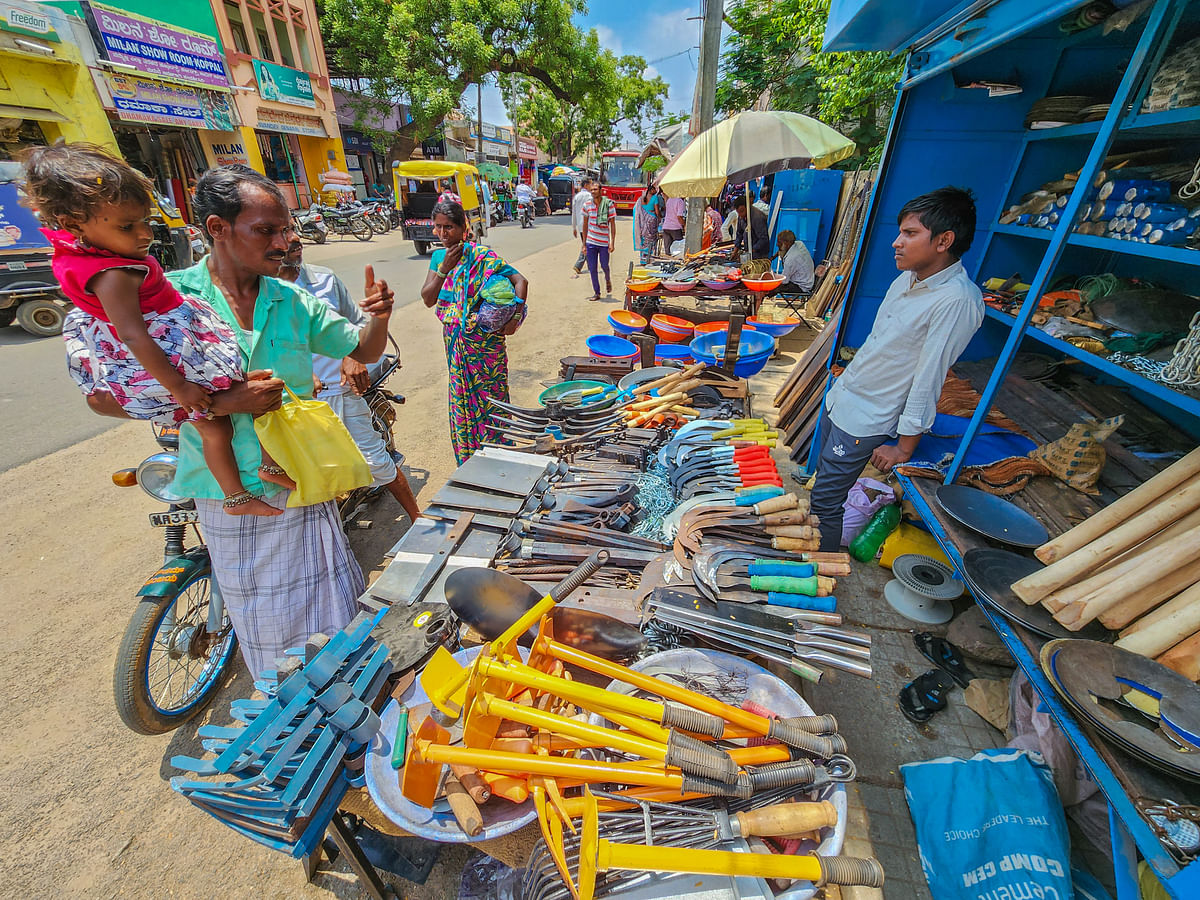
(621, 181)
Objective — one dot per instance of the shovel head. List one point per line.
(419, 779)
(445, 682)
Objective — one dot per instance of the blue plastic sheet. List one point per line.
(991, 444)
(990, 827)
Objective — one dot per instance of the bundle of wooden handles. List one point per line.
(1135, 567)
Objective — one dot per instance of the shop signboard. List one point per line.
(504, 135)
(286, 122)
(493, 148)
(433, 147)
(283, 85)
(526, 149)
(23, 20)
(157, 49)
(139, 99)
(228, 153)
(18, 225)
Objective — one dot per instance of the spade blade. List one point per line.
(487, 600)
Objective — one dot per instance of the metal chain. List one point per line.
(1149, 368)
(1184, 367)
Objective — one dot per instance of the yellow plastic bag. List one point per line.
(310, 443)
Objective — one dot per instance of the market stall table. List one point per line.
(749, 301)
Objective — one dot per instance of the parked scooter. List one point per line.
(179, 644)
(310, 225)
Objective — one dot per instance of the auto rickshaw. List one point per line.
(419, 183)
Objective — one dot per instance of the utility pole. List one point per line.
(479, 157)
(706, 91)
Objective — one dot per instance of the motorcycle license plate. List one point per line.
(17, 266)
(179, 517)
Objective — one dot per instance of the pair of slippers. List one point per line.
(926, 694)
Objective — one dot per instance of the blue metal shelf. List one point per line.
(1082, 129)
(1131, 248)
(1182, 883)
(1187, 402)
(1184, 121)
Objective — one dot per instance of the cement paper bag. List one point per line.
(989, 826)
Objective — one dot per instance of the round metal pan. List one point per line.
(991, 516)
(645, 376)
(991, 572)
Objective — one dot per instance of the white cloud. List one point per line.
(672, 31)
(649, 73)
(609, 39)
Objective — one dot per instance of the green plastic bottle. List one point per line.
(866, 546)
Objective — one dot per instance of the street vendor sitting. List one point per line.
(891, 387)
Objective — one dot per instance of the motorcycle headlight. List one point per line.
(155, 475)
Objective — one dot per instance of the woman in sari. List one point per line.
(647, 213)
(478, 361)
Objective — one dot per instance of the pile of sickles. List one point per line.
(298, 750)
(523, 733)
(707, 456)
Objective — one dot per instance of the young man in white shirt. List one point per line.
(889, 391)
(582, 196)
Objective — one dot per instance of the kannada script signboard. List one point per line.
(157, 49)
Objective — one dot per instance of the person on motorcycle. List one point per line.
(341, 382)
(285, 577)
(525, 198)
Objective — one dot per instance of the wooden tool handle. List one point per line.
(1120, 510)
(777, 504)
(795, 544)
(785, 819)
(674, 378)
(832, 568)
(472, 783)
(797, 516)
(668, 399)
(1184, 657)
(466, 813)
(806, 532)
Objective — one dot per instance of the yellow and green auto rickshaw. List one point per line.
(419, 183)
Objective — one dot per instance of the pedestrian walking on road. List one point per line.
(342, 382)
(890, 389)
(647, 215)
(674, 221)
(170, 353)
(477, 361)
(578, 226)
(600, 238)
(283, 578)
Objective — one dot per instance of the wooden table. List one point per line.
(749, 300)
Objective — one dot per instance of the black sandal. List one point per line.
(945, 656)
(925, 695)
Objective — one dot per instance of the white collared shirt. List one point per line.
(893, 383)
(581, 197)
(798, 266)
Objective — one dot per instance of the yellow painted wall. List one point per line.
(316, 158)
(64, 86)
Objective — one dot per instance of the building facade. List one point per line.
(284, 102)
(46, 88)
(371, 164)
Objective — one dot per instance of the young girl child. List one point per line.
(131, 334)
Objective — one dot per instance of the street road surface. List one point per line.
(41, 407)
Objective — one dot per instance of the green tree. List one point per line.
(775, 48)
(618, 95)
(427, 52)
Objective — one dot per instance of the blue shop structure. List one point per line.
(973, 74)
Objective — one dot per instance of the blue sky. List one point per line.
(658, 31)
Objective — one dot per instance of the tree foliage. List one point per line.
(427, 52)
(619, 95)
(775, 48)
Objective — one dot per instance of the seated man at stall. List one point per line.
(796, 264)
(889, 391)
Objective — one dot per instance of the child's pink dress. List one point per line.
(195, 339)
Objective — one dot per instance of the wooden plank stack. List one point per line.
(1135, 567)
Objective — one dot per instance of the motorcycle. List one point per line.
(525, 214)
(379, 214)
(345, 221)
(310, 225)
(176, 652)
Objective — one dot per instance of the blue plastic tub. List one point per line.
(606, 346)
(754, 349)
(672, 351)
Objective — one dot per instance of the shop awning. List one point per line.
(30, 112)
(883, 24)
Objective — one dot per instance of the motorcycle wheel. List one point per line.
(318, 237)
(379, 224)
(360, 228)
(156, 688)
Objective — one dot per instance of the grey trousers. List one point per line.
(843, 458)
(582, 261)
